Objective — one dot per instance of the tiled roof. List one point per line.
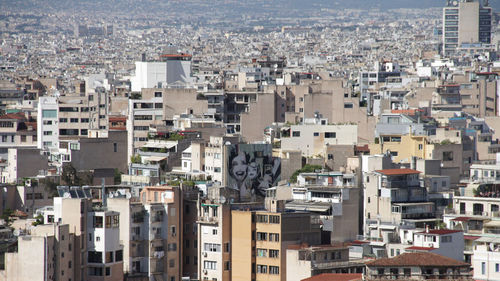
(461, 219)
(18, 115)
(335, 277)
(417, 259)
(416, 248)
(394, 172)
(439, 231)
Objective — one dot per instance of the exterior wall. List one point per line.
(47, 123)
(242, 243)
(312, 145)
(100, 153)
(491, 262)
(409, 146)
(453, 249)
(296, 269)
(23, 163)
(468, 23)
(260, 115)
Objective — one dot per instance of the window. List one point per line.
(296, 134)
(483, 268)
(274, 219)
(63, 120)
(274, 270)
(261, 252)
(108, 271)
(84, 120)
(497, 267)
(95, 271)
(274, 237)
(211, 247)
(227, 247)
(98, 222)
(261, 268)
(330, 135)
(211, 265)
(73, 120)
(316, 134)
(158, 94)
(171, 263)
(420, 146)
(227, 265)
(119, 255)
(446, 239)
(262, 218)
(274, 253)
(395, 139)
(48, 113)
(214, 231)
(94, 257)
(68, 109)
(45, 133)
(348, 105)
(447, 155)
(261, 236)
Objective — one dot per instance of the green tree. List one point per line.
(7, 216)
(306, 169)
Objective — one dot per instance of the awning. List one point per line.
(308, 207)
(492, 224)
(486, 239)
(159, 145)
(153, 158)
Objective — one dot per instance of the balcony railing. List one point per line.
(206, 219)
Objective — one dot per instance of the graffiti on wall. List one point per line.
(251, 169)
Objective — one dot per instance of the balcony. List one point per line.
(208, 220)
(158, 254)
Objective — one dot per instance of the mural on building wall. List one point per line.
(251, 168)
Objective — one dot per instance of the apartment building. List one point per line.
(395, 195)
(466, 22)
(417, 266)
(82, 115)
(486, 256)
(304, 261)
(445, 242)
(17, 130)
(47, 126)
(214, 235)
(315, 134)
(260, 239)
(57, 262)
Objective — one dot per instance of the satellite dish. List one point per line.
(222, 199)
(128, 195)
(66, 195)
(111, 195)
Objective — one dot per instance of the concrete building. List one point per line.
(417, 266)
(46, 254)
(303, 261)
(312, 138)
(445, 242)
(47, 126)
(170, 70)
(486, 257)
(466, 22)
(260, 239)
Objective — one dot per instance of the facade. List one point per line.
(260, 240)
(417, 266)
(466, 22)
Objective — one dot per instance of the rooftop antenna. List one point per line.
(103, 192)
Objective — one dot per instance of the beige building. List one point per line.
(260, 239)
(46, 254)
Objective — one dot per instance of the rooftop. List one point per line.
(394, 172)
(417, 259)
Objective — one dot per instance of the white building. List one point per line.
(312, 138)
(486, 258)
(47, 123)
(175, 68)
(445, 242)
